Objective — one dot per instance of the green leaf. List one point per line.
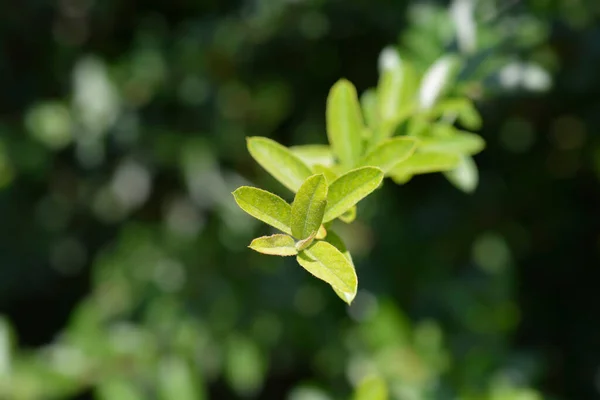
(464, 177)
(308, 207)
(344, 123)
(279, 161)
(422, 163)
(275, 245)
(328, 172)
(436, 79)
(455, 141)
(371, 388)
(176, 381)
(321, 233)
(349, 216)
(368, 102)
(313, 154)
(265, 206)
(349, 189)
(463, 108)
(327, 263)
(118, 389)
(334, 239)
(304, 243)
(390, 152)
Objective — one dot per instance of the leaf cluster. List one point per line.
(398, 130)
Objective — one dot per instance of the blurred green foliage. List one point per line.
(125, 273)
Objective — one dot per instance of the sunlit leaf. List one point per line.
(321, 233)
(334, 239)
(344, 123)
(463, 108)
(465, 176)
(368, 102)
(327, 263)
(459, 142)
(313, 154)
(371, 388)
(309, 206)
(349, 189)
(395, 97)
(436, 80)
(265, 206)
(279, 161)
(276, 245)
(390, 152)
(422, 163)
(328, 172)
(349, 216)
(304, 243)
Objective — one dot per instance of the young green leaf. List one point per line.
(349, 189)
(390, 152)
(334, 239)
(313, 154)
(368, 103)
(371, 388)
(436, 80)
(463, 108)
(309, 206)
(279, 161)
(328, 172)
(422, 163)
(327, 263)
(344, 123)
(456, 141)
(265, 206)
(321, 233)
(465, 176)
(304, 243)
(275, 245)
(349, 216)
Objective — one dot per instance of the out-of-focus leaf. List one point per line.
(371, 388)
(349, 216)
(463, 108)
(276, 245)
(5, 347)
(176, 381)
(459, 142)
(390, 152)
(265, 206)
(349, 189)
(368, 102)
(308, 207)
(344, 123)
(329, 173)
(436, 80)
(465, 176)
(395, 98)
(422, 163)
(314, 154)
(279, 161)
(327, 263)
(118, 389)
(245, 366)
